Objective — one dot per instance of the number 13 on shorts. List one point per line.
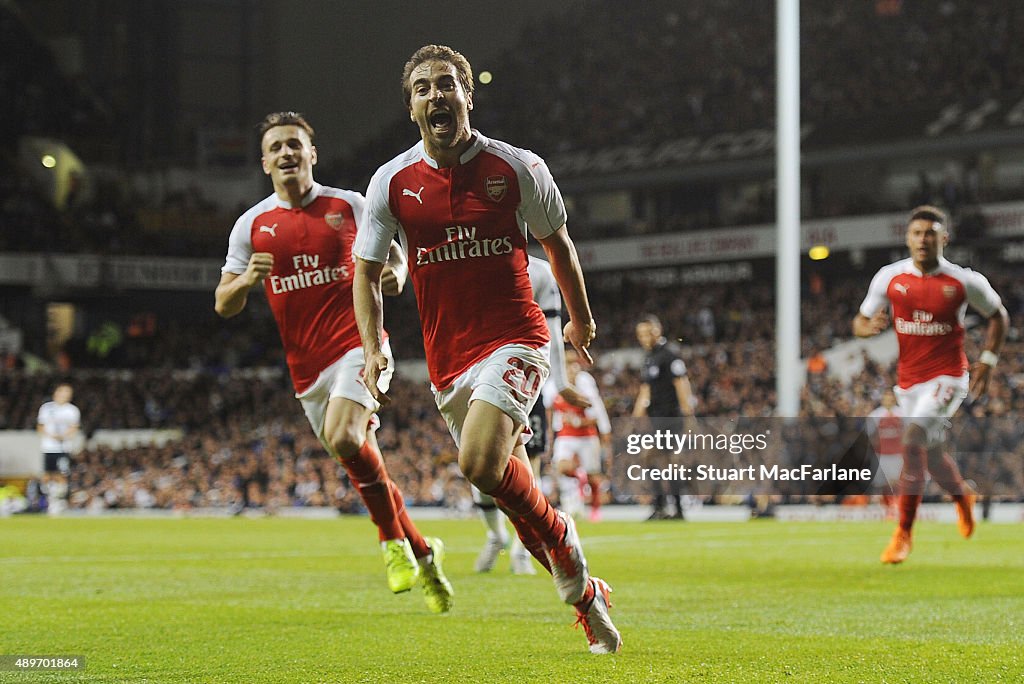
(944, 394)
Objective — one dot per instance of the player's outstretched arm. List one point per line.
(869, 327)
(233, 289)
(369, 308)
(565, 265)
(573, 397)
(558, 372)
(684, 395)
(643, 400)
(995, 336)
(395, 273)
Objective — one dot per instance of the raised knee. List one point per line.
(346, 442)
(915, 435)
(481, 472)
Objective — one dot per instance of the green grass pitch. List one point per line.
(285, 600)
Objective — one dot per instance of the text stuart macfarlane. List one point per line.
(708, 473)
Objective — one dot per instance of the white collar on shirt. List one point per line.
(478, 143)
(313, 193)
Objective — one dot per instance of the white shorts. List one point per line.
(586, 449)
(931, 403)
(889, 468)
(343, 378)
(510, 378)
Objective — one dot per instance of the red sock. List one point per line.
(366, 472)
(419, 545)
(520, 495)
(908, 510)
(911, 484)
(588, 595)
(531, 542)
(595, 494)
(945, 473)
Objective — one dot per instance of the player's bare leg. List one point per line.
(595, 481)
(911, 487)
(345, 430)
(570, 490)
(346, 434)
(947, 475)
(489, 438)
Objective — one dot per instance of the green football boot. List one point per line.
(400, 563)
(437, 590)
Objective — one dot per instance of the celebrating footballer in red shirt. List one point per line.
(298, 243)
(462, 205)
(928, 296)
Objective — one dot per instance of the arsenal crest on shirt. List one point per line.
(497, 186)
(948, 291)
(335, 221)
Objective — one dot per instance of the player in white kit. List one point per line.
(58, 423)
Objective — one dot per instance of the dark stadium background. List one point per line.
(659, 129)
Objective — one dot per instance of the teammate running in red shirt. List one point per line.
(462, 206)
(298, 243)
(884, 427)
(582, 435)
(928, 297)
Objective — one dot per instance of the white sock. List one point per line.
(569, 495)
(495, 521)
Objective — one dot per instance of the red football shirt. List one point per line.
(928, 315)
(310, 286)
(465, 231)
(887, 424)
(571, 421)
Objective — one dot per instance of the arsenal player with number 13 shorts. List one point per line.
(462, 205)
(928, 296)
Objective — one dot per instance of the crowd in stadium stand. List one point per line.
(246, 443)
(856, 61)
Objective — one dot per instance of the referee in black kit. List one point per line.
(665, 392)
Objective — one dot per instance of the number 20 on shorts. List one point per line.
(522, 377)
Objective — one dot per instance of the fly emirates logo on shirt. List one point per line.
(923, 325)
(461, 243)
(308, 273)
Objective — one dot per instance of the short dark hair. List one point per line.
(927, 212)
(650, 319)
(441, 53)
(284, 119)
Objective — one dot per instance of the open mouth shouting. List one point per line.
(288, 167)
(441, 122)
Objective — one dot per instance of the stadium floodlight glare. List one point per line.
(49, 161)
(485, 77)
(818, 252)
